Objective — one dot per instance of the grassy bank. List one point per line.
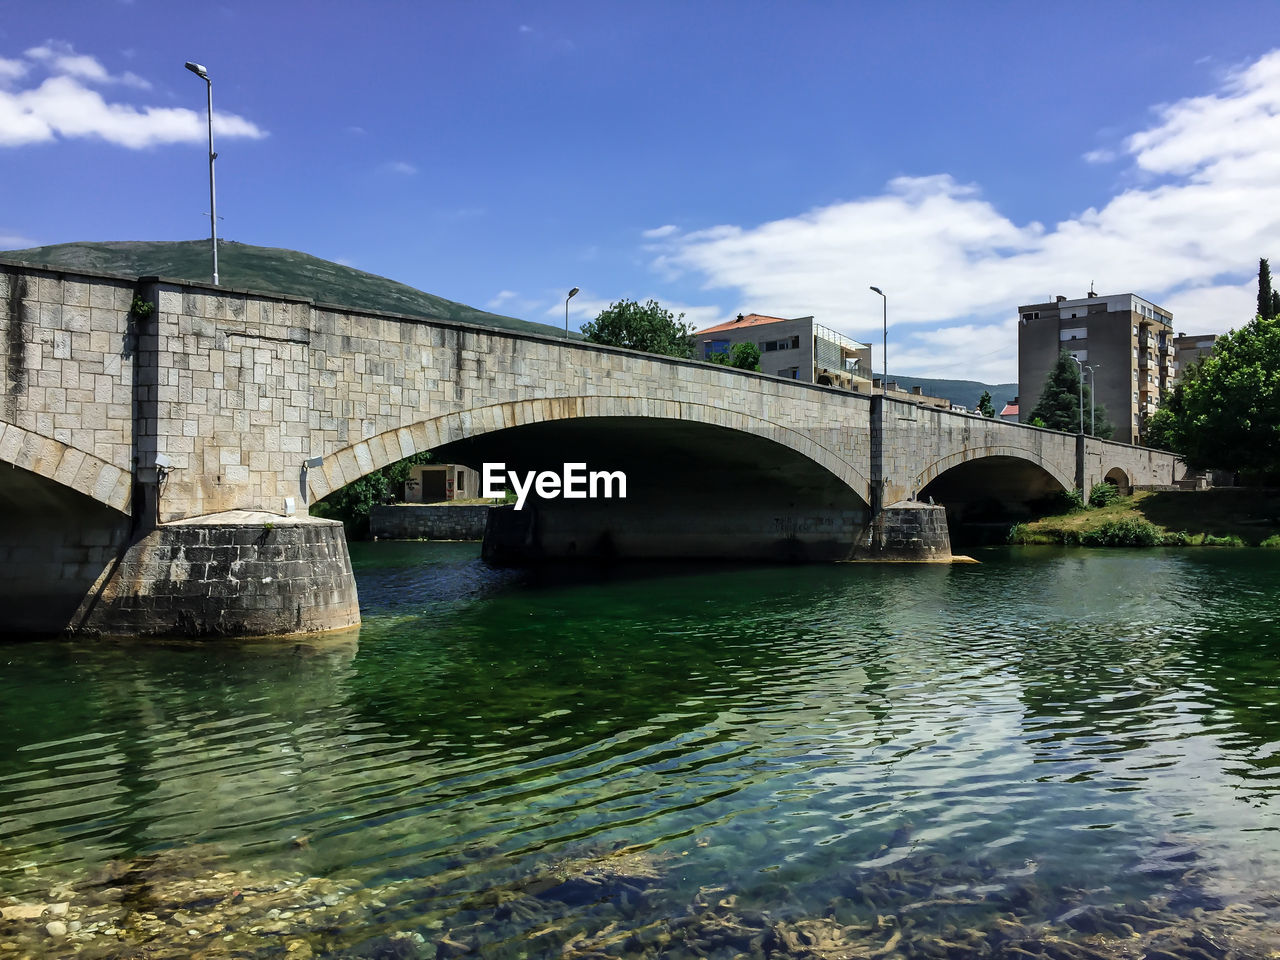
(1186, 518)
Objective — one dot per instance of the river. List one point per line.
(1046, 753)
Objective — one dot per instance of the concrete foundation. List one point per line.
(409, 521)
(231, 574)
(907, 531)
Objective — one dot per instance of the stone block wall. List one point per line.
(412, 521)
(67, 351)
(233, 399)
(251, 577)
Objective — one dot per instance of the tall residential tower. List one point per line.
(1127, 340)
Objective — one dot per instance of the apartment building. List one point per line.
(797, 348)
(1189, 349)
(1128, 341)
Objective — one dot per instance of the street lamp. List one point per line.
(203, 74)
(1080, 384)
(572, 293)
(884, 383)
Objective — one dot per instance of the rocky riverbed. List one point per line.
(617, 903)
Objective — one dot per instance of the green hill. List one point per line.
(964, 392)
(268, 269)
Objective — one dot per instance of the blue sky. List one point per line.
(719, 157)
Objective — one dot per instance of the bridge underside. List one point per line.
(54, 544)
(985, 496)
(693, 490)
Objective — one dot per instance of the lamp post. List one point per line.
(1080, 384)
(884, 350)
(572, 293)
(203, 74)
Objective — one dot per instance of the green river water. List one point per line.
(1050, 751)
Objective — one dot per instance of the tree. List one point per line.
(984, 404)
(1225, 411)
(743, 356)
(649, 327)
(1059, 404)
(351, 504)
(1266, 298)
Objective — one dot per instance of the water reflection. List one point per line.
(1019, 733)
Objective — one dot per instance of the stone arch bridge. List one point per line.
(158, 435)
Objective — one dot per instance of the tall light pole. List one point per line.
(884, 350)
(1080, 384)
(572, 293)
(203, 74)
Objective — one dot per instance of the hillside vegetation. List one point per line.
(964, 392)
(267, 269)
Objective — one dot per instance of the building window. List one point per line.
(714, 346)
(790, 343)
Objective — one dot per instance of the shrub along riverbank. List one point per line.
(1226, 517)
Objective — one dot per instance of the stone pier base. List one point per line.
(235, 574)
(907, 531)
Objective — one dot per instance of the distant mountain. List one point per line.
(963, 392)
(268, 269)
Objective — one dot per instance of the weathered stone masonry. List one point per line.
(235, 390)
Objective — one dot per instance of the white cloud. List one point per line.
(658, 233)
(501, 297)
(12, 70)
(1207, 208)
(1214, 309)
(62, 59)
(1101, 155)
(400, 167)
(63, 106)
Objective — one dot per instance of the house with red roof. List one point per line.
(796, 348)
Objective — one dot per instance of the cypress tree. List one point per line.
(1266, 300)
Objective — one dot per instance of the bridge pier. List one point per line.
(907, 531)
(238, 574)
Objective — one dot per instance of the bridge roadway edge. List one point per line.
(236, 388)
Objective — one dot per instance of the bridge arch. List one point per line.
(970, 455)
(350, 463)
(1121, 480)
(66, 465)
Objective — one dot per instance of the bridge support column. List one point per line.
(876, 472)
(907, 531)
(235, 574)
